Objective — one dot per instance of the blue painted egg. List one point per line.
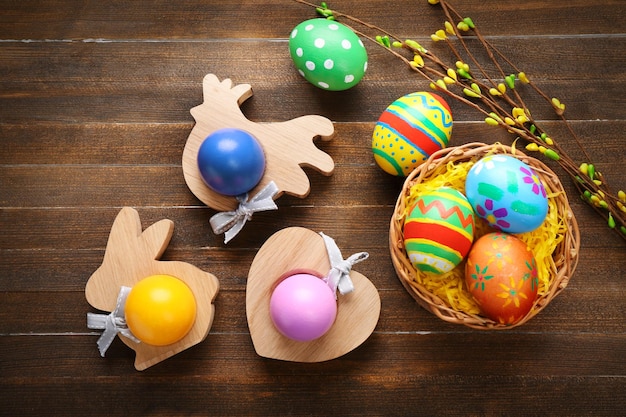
(507, 193)
(231, 161)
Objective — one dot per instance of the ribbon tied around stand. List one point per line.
(338, 277)
(112, 323)
(231, 222)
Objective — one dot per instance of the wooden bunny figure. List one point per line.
(132, 255)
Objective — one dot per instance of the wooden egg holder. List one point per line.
(132, 255)
(296, 249)
(288, 146)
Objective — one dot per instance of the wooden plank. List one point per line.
(116, 83)
(198, 19)
(50, 269)
(162, 143)
(308, 394)
(66, 205)
(64, 312)
(98, 65)
(91, 184)
(93, 143)
(106, 186)
(232, 357)
(361, 226)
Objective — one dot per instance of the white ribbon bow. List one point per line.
(232, 222)
(112, 323)
(338, 277)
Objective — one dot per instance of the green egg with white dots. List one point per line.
(328, 54)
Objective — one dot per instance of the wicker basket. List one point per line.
(565, 256)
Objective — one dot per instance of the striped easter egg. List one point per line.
(410, 130)
(439, 230)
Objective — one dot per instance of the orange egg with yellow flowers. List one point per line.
(501, 275)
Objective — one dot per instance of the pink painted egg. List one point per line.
(303, 307)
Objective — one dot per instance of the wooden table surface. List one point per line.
(94, 115)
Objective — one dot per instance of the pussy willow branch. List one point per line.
(499, 102)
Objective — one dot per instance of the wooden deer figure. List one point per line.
(132, 255)
(288, 146)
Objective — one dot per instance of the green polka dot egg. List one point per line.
(328, 54)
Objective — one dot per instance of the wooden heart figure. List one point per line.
(287, 146)
(292, 308)
(131, 264)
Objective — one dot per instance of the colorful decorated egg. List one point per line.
(439, 230)
(303, 307)
(328, 54)
(501, 275)
(231, 161)
(507, 193)
(410, 130)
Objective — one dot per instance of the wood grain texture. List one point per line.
(116, 82)
(94, 116)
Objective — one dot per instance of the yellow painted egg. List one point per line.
(160, 310)
(410, 130)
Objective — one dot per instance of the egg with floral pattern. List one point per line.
(507, 193)
(501, 275)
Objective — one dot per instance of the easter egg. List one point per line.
(160, 310)
(410, 130)
(303, 307)
(439, 230)
(501, 275)
(507, 193)
(328, 54)
(231, 161)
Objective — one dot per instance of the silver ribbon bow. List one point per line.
(231, 222)
(112, 323)
(339, 276)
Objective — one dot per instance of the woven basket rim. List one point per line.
(565, 256)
